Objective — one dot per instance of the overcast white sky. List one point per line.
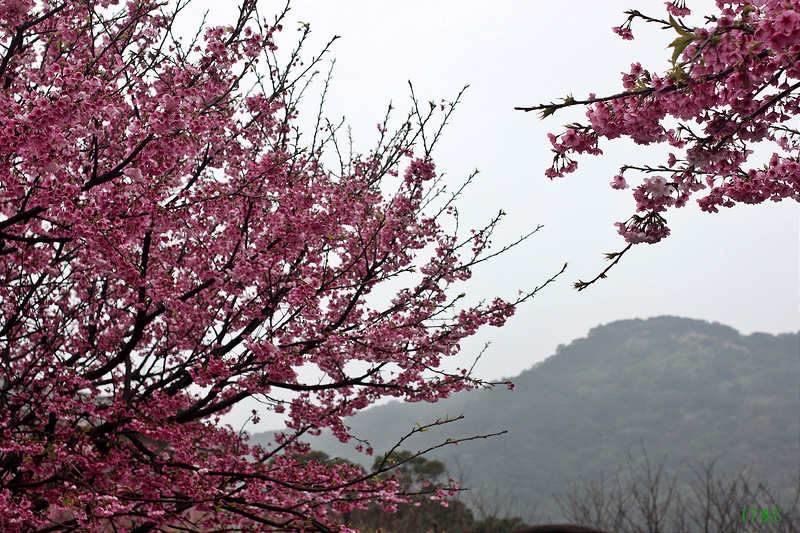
(738, 267)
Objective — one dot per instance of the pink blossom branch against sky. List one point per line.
(738, 267)
(730, 91)
(170, 248)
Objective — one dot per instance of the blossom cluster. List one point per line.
(734, 84)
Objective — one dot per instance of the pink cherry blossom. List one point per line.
(678, 8)
(171, 248)
(619, 183)
(623, 32)
(733, 83)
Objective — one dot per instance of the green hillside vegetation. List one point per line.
(688, 389)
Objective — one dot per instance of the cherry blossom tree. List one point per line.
(171, 246)
(733, 84)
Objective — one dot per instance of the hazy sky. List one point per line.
(738, 267)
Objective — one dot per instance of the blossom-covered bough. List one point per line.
(734, 84)
(169, 248)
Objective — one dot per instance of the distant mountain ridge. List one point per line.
(686, 388)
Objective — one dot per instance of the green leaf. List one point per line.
(679, 28)
(547, 111)
(680, 45)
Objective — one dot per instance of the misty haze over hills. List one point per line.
(686, 388)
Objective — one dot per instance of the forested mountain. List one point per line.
(686, 388)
